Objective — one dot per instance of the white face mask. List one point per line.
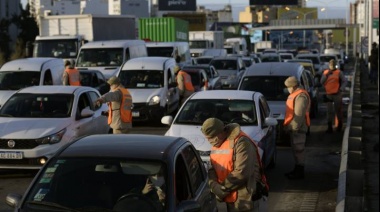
(157, 180)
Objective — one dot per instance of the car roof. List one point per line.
(307, 55)
(28, 64)
(54, 89)
(111, 43)
(147, 63)
(274, 68)
(226, 58)
(224, 94)
(136, 146)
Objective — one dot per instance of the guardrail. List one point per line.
(351, 172)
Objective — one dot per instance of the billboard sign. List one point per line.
(177, 5)
(273, 2)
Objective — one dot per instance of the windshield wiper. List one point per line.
(51, 204)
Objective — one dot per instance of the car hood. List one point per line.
(196, 137)
(28, 128)
(278, 109)
(108, 72)
(4, 96)
(144, 95)
(227, 72)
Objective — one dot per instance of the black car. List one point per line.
(95, 79)
(111, 173)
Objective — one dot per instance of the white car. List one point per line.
(36, 121)
(247, 108)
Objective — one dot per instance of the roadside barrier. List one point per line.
(351, 172)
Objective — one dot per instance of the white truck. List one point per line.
(202, 40)
(262, 45)
(61, 36)
(240, 42)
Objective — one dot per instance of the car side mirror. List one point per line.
(86, 112)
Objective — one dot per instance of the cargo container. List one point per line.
(61, 36)
(166, 29)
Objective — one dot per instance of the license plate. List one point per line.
(135, 114)
(10, 155)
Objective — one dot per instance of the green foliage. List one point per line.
(28, 28)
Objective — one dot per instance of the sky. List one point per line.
(335, 8)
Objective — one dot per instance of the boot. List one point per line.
(298, 174)
(291, 172)
(329, 127)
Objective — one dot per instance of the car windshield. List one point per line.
(142, 78)
(272, 87)
(58, 48)
(265, 59)
(15, 80)
(203, 60)
(97, 184)
(315, 60)
(111, 57)
(160, 51)
(224, 64)
(38, 106)
(247, 62)
(196, 111)
(326, 59)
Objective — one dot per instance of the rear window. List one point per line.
(315, 60)
(272, 87)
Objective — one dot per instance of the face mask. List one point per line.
(332, 67)
(157, 180)
(290, 90)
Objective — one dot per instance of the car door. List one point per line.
(83, 125)
(269, 132)
(100, 121)
(191, 181)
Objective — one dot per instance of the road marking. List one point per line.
(309, 202)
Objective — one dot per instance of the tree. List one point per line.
(28, 31)
(4, 40)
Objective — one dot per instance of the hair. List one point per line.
(67, 63)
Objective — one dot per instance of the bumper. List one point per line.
(144, 112)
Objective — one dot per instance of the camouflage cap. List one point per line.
(332, 62)
(113, 80)
(291, 81)
(212, 127)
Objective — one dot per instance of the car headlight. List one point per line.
(154, 100)
(52, 139)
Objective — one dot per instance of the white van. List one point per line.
(152, 84)
(108, 56)
(21, 73)
(170, 49)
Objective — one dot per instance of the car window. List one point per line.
(13, 80)
(182, 180)
(196, 111)
(264, 106)
(304, 81)
(93, 183)
(93, 97)
(195, 168)
(101, 78)
(142, 79)
(38, 105)
(83, 102)
(272, 87)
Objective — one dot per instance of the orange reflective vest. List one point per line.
(222, 159)
(186, 80)
(74, 76)
(125, 107)
(332, 82)
(289, 114)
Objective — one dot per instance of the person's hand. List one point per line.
(148, 187)
(98, 102)
(161, 194)
(217, 189)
